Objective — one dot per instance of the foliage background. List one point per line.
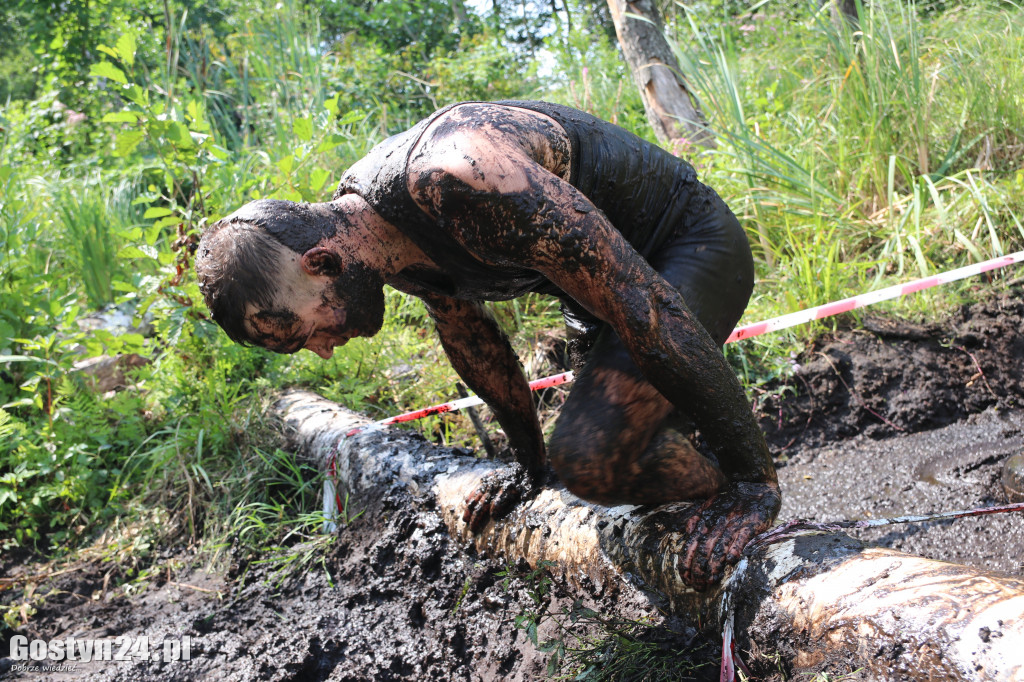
(855, 155)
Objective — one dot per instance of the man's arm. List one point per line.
(480, 353)
(507, 209)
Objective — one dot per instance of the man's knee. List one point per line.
(605, 426)
(586, 473)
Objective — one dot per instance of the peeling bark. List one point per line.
(671, 108)
(822, 600)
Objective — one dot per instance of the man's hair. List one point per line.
(238, 257)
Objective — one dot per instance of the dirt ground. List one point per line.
(893, 417)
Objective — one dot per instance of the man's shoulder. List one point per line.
(380, 164)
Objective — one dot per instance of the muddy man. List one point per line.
(489, 201)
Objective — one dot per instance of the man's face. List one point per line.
(318, 312)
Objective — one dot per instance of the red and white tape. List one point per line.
(870, 298)
(751, 330)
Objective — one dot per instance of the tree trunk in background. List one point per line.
(459, 10)
(844, 10)
(825, 602)
(671, 109)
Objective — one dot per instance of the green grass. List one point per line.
(860, 158)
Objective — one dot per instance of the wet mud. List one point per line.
(889, 377)
(393, 599)
(898, 417)
(895, 417)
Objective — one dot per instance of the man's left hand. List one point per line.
(721, 527)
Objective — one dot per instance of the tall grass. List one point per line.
(96, 221)
(259, 81)
(868, 151)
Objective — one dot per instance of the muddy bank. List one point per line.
(899, 417)
(393, 598)
(889, 377)
(873, 424)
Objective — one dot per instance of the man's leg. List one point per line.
(616, 440)
(613, 444)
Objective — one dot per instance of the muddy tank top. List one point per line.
(645, 192)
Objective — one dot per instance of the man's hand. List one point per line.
(497, 494)
(722, 526)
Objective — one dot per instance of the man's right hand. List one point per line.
(498, 493)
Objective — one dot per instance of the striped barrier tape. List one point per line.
(870, 298)
(758, 328)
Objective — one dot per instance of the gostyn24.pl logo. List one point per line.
(123, 648)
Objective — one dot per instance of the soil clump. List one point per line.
(890, 377)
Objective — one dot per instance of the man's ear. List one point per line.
(321, 261)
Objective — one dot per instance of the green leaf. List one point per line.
(131, 234)
(126, 48)
(140, 251)
(218, 153)
(317, 179)
(330, 142)
(133, 341)
(286, 164)
(553, 665)
(303, 129)
(157, 212)
(5, 173)
(108, 70)
(135, 94)
(169, 220)
(178, 134)
(108, 50)
(196, 113)
(127, 141)
(122, 117)
(353, 116)
(332, 105)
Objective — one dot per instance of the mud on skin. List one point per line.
(507, 209)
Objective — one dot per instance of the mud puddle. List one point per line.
(393, 599)
(902, 418)
(892, 418)
(957, 467)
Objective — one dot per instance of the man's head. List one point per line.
(274, 275)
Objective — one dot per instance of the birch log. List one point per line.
(824, 601)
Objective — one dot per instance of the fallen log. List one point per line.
(824, 601)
